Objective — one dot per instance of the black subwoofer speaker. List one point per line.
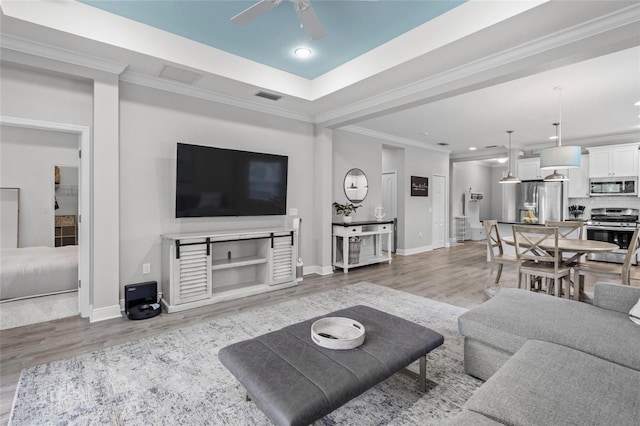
(141, 300)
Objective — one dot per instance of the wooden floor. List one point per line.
(455, 275)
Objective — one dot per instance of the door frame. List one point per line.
(84, 202)
(445, 213)
(395, 202)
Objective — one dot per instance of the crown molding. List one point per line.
(533, 150)
(611, 21)
(47, 51)
(395, 140)
(59, 54)
(208, 95)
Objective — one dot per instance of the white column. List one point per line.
(105, 198)
(323, 175)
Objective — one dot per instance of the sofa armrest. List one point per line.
(615, 297)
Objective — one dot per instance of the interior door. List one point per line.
(390, 201)
(439, 211)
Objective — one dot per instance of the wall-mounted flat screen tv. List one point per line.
(214, 182)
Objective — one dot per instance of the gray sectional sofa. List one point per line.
(553, 361)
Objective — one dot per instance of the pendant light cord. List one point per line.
(559, 126)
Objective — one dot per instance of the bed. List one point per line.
(36, 271)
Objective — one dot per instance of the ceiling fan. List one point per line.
(303, 8)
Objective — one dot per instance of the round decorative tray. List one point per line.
(337, 333)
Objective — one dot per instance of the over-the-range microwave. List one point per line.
(613, 186)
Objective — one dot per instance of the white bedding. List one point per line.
(32, 271)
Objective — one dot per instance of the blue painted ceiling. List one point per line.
(352, 27)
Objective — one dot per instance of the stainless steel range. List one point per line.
(613, 225)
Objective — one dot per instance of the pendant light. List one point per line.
(560, 157)
(556, 176)
(509, 178)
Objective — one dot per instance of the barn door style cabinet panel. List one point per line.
(204, 268)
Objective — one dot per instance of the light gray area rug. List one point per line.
(176, 378)
(16, 313)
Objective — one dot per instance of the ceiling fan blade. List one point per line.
(254, 11)
(309, 19)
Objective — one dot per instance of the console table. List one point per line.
(365, 232)
(203, 268)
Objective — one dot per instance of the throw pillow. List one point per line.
(634, 313)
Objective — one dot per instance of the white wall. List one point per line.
(350, 151)
(496, 191)
(418, 213)
(46, 97)
(478, 177)
(27, 160)
(151, 123)
(414, 213)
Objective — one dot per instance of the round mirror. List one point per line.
(356, 185)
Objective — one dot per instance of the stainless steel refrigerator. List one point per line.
(545, 199)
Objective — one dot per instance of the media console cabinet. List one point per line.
(203, 268)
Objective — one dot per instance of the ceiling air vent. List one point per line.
(491, 146)
(267, 95)
(443, 144)
(179, 74)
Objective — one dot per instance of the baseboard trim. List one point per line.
(409, 252)
(108, 312)
(319, 270)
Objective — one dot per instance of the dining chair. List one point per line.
(539, 257)
(567, 228)
(571, 229)
(496, 256)
(619, 273)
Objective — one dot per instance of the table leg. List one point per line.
(345, 254)
(422, 380)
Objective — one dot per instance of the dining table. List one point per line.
(575, 247)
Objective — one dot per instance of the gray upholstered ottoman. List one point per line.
(296, 382)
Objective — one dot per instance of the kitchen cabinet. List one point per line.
(529, 169)
(614, 161)
(578, 184)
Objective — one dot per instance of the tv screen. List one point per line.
(225, 182)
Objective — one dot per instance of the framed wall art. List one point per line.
(419, 186)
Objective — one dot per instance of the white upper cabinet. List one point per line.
(578, 184)
(529, 169)
(613, 161)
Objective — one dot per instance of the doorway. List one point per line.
(82, 133)
(439, 211)
(390, 204)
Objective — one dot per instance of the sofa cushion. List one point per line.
(549, 384)
(615, 297)
(634, 313)
(514, 316)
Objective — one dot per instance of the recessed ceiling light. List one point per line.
(473, 148)
(426, 133)
(638, 103)
(502, 160)
(302, 52)
(553, 138)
